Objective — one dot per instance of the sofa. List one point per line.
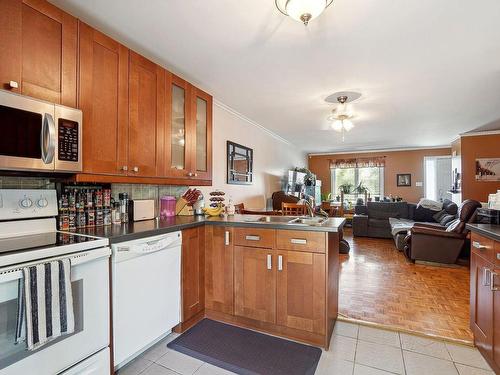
(394, 219)
(441, 245)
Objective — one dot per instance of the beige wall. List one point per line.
(272, 158)
(409, 161)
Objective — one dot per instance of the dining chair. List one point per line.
(293, 209)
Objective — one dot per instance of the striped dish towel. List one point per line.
(45, 304)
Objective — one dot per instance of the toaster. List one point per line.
(141, 209)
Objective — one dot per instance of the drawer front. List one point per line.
(254, 237)
(300, 240)
(483, 246)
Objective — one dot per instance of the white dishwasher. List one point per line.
(146, 293)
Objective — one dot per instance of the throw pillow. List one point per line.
(437, 217)
(446, 220)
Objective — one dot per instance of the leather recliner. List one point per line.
(441, 245)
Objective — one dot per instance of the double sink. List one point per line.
(301, 220)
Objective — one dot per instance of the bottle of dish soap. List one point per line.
(230, 207)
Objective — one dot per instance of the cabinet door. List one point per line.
(177, 143)
(201, 133)
(146, 117)
(255, 283)
(193, 272)
(219, 269)
(481, 303)
(104, 101)
(10, 44)
(301, 294)
(39, 50)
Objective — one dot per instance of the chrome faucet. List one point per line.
(309, 208)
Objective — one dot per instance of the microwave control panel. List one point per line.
(68, 140)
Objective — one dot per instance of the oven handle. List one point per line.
(48, 138)
(15, 272)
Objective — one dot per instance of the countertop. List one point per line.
(147, 228)
(488, 230)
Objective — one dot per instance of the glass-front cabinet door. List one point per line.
(177, 141)
(202, 134)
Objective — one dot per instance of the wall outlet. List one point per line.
(419, 183)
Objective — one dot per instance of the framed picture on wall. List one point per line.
(403, 179)
(488, 169)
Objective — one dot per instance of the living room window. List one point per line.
(372, 178)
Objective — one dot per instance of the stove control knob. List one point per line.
(42, 203)
(26, 203)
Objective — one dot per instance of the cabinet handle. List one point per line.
(125, 168)
(195, 174)
(252, 238)
(493, 288)
(13, 85)
(190, 174)
(299, 241)
(280, 262)
(486, 278)
(135, 169)
(269, 262)
(226, 238)
(478, 245)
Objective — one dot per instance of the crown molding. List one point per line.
(476, 134)
(378, 150)
(251, 122)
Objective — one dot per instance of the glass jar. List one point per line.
(167, 206)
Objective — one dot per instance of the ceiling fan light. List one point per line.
(348, 125)
(337, 125)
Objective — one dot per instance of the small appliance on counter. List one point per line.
(167, 206)
(199, 205)
(141, 209)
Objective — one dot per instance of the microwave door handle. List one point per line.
(48, 139)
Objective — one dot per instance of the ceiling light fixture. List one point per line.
(341, 116)
(302, 10)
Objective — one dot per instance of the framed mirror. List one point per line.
(239, 164)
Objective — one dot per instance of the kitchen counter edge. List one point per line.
(140, 229)
(489, 230)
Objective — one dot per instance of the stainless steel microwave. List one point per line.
(39, 136)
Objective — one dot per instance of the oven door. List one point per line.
(27, 133)
(68, 154)
(90, 285)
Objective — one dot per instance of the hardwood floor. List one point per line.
(377, 285)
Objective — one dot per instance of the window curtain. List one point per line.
(358, 162)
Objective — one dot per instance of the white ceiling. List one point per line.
(428, 69)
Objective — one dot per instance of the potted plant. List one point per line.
(345, 188)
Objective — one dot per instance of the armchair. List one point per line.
(440, 245)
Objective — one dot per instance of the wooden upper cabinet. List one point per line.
(202, 134)
(146, 117)
(103, 98)
(178, 140)
(301, 291)
(38, 45)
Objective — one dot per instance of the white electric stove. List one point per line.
(28, 236)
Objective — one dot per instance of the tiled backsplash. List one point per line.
(12, 182)
(134, 191)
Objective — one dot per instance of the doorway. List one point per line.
(437, 177)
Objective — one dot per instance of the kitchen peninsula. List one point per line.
(274, 275)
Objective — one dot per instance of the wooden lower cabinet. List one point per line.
(193, 272)
(485, 298)
(255, 283)
(219, 269)
(301, 291)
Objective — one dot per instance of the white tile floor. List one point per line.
(354, 350)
